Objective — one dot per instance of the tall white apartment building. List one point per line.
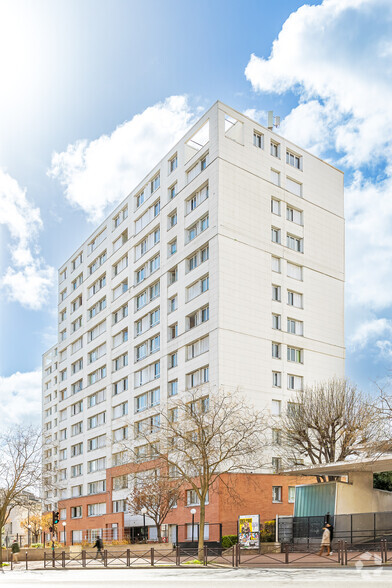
(224, 266)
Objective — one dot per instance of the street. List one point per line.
(167, 578)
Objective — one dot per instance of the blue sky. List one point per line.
(84, 85)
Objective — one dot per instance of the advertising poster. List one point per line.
(249, 531)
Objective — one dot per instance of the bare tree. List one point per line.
(203, 435)
(20, 470)
(157, 496)
(329, 422)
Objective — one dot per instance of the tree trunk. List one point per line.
(201, 529)
(159, 533)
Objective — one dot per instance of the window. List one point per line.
(96, 487)
(276, 350)
(76, 470)
(294, 299)
(173, 388)
(77, 428)
(275, 235)
(76, 449)
(97, 241)
(155, 183)
(294, 271)
(275, 149)
(192, 498)
(120, 289)
(97, 375)
(276, 292)
(276, 493)
(258, 140)
(275, 206)
(194, 533)
(276, 321)
(277, 379)
(97, 262)
(172, 191)
(295, 243)
(173, 331)
(173, 304)
(147, 400)
(77, 408)
(140, 199)
(294, 187)
(120, 217)
(147, 374)
(276, 436)
(120, 386)
(295, 327)
(294, 160)
(97, 285)
(202, 285)
(196, 199)
(173, 247)
(173, 360)
(96, 465)
(276, 464)
(294, 354)
(63, 295)
(120, 265)
(294, 382)
(294, 215)
(97, 308)
(276, 407)
(291, 496)
(96, 443)
(172, 219)
(96, 398)
(76, 512)
(120, 434)
(197, 168)
(119, 506)
(96, 420)
(197, 377)
(119, 242)
(275, 264)
(77, 386)
(173, 162)
(77, 366)
(197, 348)
(120, 338)
(172, 276)
(120, 362)
(193, 231)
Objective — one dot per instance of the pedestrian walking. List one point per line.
(325, 541)
(330, 528)
(15, 549)
(99, 545)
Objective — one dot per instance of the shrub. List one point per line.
(229, 541)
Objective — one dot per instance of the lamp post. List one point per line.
(193, 512)
(144, 511)
(29, 534)
(64, 532)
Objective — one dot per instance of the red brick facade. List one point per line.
(229, 497)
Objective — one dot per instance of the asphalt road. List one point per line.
(214, 578)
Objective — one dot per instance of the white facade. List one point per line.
(234, 278)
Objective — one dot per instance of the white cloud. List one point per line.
(20, 398)
(259, 115)
(369, 331)
(97, 174)
(28, 280)
(337, 58)
(337, 53)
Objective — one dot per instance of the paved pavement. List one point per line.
(196, 578)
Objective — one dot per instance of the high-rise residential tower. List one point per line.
(223, 267)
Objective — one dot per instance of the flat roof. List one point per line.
(370, 464)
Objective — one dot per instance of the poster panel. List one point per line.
(249, 531)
